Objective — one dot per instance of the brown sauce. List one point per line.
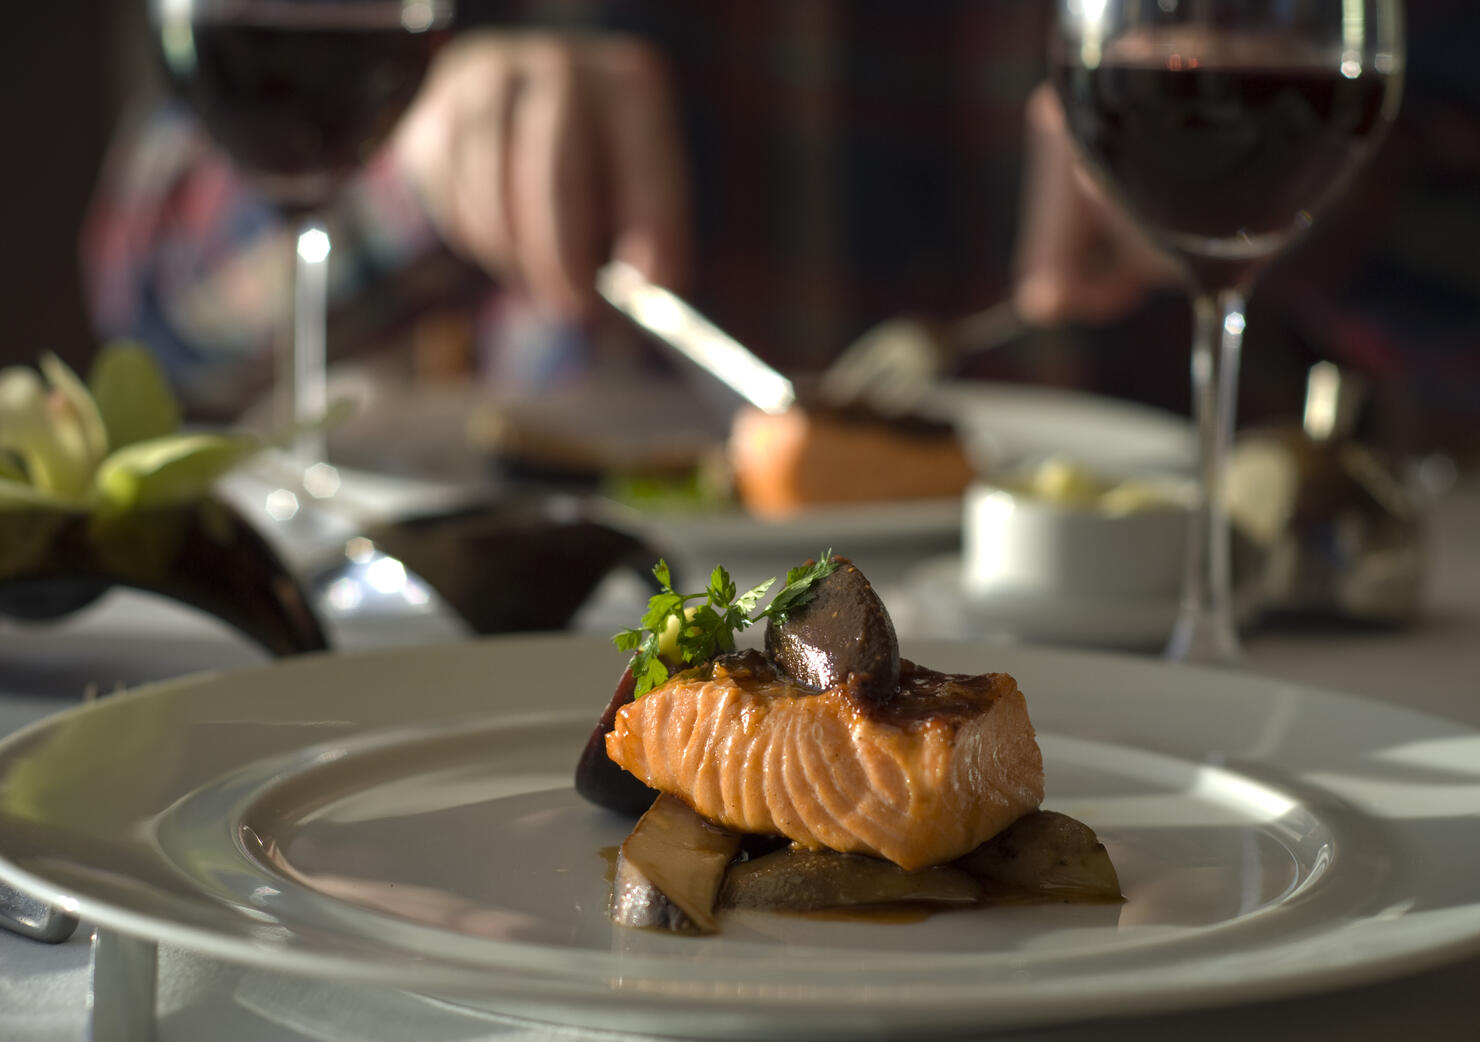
(895, 912)
(919, 911)
(1004, 897)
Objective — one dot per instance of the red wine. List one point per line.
(298, 107)
(1238, 155)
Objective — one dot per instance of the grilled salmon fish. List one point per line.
(920, 778)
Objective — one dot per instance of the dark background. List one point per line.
(65, 75)
(70, 69)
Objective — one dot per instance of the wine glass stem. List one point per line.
(310, 329)
(1205, 631)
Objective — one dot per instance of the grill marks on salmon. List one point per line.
(921, 779)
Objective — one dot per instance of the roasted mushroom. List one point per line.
(841, 635)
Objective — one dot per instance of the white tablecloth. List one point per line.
(1433, 666)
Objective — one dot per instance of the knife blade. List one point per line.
(676, 323)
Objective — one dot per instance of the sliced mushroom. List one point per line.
(636, 902)
(669, 869)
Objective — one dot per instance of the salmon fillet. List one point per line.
(798, 459)
(920, 779)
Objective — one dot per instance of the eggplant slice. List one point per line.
(597, 778)
(1046, 855)
(800, 880)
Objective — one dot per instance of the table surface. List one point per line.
(127, 640)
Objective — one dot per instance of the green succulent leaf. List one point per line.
(170, 469)
(133, 396)
(79, 403)
(11, 468)
(20, 493)
(110, 444)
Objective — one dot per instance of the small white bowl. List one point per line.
(1016, 544)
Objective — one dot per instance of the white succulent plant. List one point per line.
(112, 443)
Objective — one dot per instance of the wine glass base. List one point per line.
(1202, 639)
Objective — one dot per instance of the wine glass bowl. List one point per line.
(1225, 136)
(299, 93)
(1225, 127)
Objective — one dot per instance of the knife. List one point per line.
(674, 321)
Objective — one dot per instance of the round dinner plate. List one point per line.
(407, 818)
(1007, 424)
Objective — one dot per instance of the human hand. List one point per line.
(1080, 256)
(541, 156)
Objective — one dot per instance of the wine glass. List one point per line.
(299, 93)
(1224, 126)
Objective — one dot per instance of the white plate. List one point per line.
(1004, 423)
(883, 539)
(407, 819)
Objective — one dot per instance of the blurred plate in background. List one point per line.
(587, 436)
(1006, 424)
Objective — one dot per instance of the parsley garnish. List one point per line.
(709, 628)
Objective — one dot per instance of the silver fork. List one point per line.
(892, 366)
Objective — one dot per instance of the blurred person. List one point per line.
(802, 170)
(808, 189)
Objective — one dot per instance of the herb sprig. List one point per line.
(708, 628)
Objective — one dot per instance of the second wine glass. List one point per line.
(1225, 126)
(299, 93)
